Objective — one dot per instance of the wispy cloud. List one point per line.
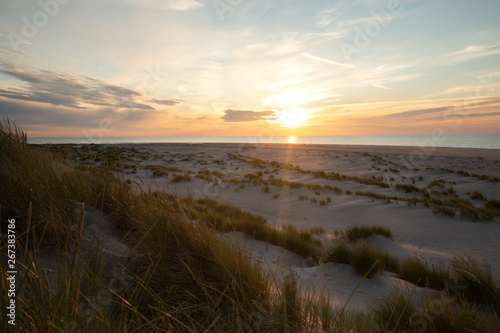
(167, 101)
(72, 91)
(327, 61)
(468, 53)
(412, 113)
(181, 5)
(246, 115)
(47, 115)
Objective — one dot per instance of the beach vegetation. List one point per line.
(177, 178)
(402, 313)
(181, 275)
(418, 272)
(365, 259)
(476, 195)
(437, 183)
(443, 210)
(477, 281)
(357, 232)
(408, 188)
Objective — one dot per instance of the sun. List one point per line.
(291, 117)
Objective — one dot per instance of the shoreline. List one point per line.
(425, 151)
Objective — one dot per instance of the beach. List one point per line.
(330, 188)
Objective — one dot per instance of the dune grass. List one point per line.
(357, 232)
(181, 276)
(479, 284)
(186, 279)
(401, 313)
(180, 178)
(421, 274)
(365, 260)
(227, 218)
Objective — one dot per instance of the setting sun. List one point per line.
(292, 117)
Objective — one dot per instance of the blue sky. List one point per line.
(240, 67)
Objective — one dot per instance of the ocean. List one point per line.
(484, 141)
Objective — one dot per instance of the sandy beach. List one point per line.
(332, 188)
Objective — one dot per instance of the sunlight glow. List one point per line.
(291, 99)
(292, 117)
(292, 140)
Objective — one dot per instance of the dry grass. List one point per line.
(183, 277)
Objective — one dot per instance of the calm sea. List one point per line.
(490, 141)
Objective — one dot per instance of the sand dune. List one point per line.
(364, 172)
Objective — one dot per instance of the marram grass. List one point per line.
(181, 277)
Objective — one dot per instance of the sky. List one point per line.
(132, 68)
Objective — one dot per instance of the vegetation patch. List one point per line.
(228, 218)
(407, 188)
(180, 178)
(365, 259)
(418, 272)
(355, 233)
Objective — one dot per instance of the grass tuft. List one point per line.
(355, 233)
(475, 275)
(419, 273)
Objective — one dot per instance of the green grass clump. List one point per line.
(160, 173)
(494, 203)
(399, 313)
(355, 233)
(438, 183)
(394, 314)
(476, 195)
(317, 230)
(228, 218)
(181, 178)
(339, 253)
(419, 273)
(479, 284)
(407, 188)
(159, 168)
(365, 259)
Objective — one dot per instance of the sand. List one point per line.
(417, 230)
